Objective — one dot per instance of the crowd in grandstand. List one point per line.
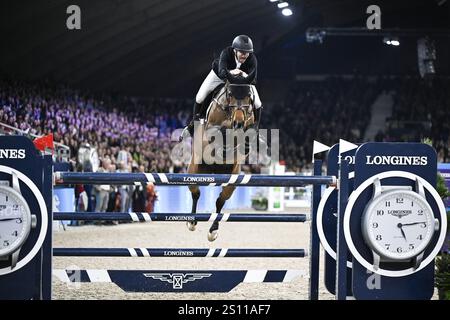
(320, 110)
(135, 134)
(424, 106)
(111, 124)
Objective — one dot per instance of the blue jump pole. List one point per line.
(178, 252)
(179, 217)
(181, 179)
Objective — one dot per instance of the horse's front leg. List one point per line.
(195, 193)
(226, 193)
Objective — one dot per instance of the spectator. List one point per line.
(139, 195)
(124, 190)
(152, 197)
(101, 192)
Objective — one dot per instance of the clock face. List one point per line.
(398, 224)
(15, 221)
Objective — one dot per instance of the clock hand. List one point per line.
(7, 219)
(403, 232)
(411, 224)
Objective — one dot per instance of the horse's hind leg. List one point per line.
(226, 193)
(195, 193)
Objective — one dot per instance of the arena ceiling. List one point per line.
(153, 47)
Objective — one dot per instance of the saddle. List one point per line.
(237, 91)
(209, 98)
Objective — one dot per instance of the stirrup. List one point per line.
(184, 133)
(187, 132)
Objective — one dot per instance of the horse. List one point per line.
(231, 107)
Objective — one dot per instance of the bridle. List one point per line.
(230, 106)
(245, 108)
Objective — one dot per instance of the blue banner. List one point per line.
(178, 199)
(64, 200)
(444, 170)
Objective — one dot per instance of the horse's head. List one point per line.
(240, 102)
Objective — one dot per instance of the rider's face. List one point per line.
(242, 56)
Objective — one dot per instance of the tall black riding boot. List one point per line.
(257, 118)
(196, 113)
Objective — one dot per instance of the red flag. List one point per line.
(44, 143)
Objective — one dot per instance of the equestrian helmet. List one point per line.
(243, 43)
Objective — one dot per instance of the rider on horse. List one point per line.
(237, 64)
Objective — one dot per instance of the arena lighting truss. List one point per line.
(425, 45)
(318, 34)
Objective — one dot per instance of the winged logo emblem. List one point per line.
(177, 279)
